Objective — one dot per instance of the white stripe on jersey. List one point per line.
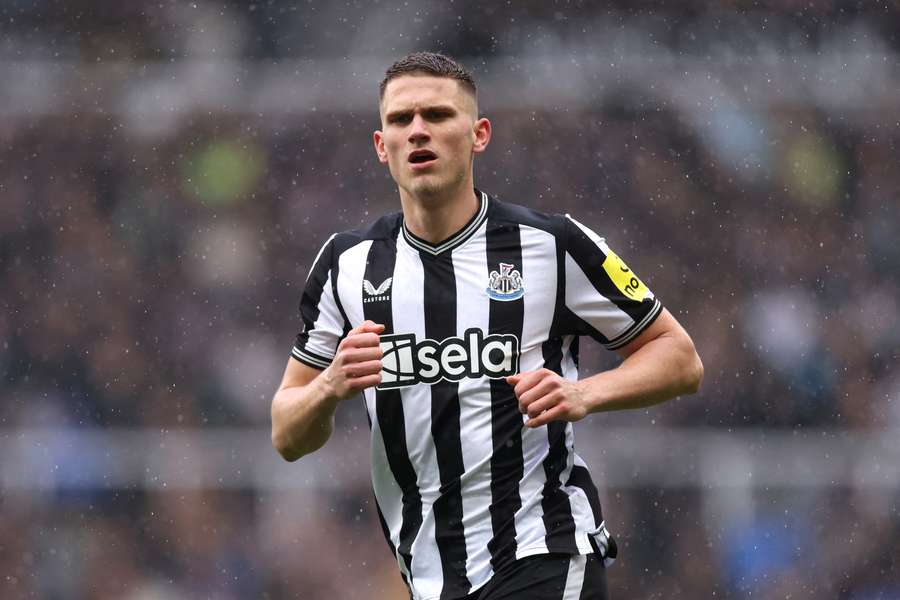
(407, 300)
(473, 310)
(539, 271)
(351, 270)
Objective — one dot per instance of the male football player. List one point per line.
(459, 318)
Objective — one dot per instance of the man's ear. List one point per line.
(378, 140)
(482, 132)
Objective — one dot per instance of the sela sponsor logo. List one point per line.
(376, 294)
(506, 284)
(407, 362)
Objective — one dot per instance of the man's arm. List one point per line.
(304, 405)
(659, 364)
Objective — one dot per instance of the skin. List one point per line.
(422, 112)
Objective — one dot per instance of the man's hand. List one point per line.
(661, 363)
(545, 396)
(357, 362)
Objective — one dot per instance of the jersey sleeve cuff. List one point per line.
(637, 328)
(309, 359)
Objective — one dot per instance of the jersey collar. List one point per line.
(457, 238)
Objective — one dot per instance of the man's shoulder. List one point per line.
(385, 228)
(522, 215)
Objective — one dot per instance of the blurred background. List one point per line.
(168, 171)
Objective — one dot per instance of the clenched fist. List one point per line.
(545, 396)
(357, 363)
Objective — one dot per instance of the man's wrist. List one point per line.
(325, 393)
(591, 392)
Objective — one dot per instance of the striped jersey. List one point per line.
(462, 487)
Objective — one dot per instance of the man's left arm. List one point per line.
(660, 364)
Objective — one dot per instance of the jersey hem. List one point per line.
(582, 544)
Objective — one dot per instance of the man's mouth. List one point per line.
(420, 157)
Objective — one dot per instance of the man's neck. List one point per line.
(436, 218)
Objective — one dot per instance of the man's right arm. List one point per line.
(304, 405)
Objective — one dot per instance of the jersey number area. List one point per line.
(407, 362)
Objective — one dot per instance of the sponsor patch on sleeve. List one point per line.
(623, 277)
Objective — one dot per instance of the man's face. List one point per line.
(429, 134)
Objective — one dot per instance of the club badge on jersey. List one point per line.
(506, 284)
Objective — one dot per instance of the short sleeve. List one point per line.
(603, 297)
(323, 323)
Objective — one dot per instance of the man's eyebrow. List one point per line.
(436, 108)
(397, 113)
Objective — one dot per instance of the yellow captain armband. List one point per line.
(624, 278)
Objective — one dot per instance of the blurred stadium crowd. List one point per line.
(151, 281)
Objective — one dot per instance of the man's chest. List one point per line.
(467, 314)
(462, 287)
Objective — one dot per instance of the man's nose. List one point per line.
(418, 130)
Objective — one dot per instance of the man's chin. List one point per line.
(427, 186)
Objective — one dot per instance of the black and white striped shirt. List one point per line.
(462, 487)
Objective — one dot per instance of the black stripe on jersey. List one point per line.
(504, 245)
(389, 407)
(440, 323)
(558, 520)
(309, 307)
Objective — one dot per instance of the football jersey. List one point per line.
(462, 487)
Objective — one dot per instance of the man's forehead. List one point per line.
(407, 91)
